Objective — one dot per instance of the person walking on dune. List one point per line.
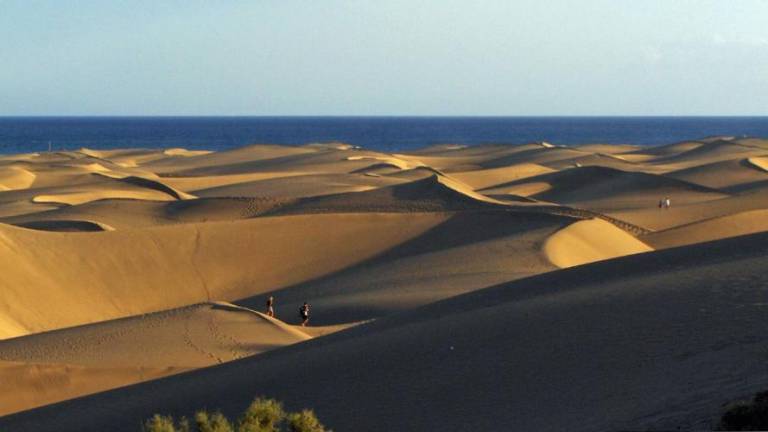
(271, 306)
(304, 314)
(667, 203)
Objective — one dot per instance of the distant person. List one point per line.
(304, 314)
(271, 306)
(667, 203)
(661, 204)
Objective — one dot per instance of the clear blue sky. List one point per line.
(439, 57)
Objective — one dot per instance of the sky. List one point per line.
(384, 57)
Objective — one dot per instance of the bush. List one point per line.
(262, 415)
(746, 416)
(305, 421)
(212, 423)
(160, 423)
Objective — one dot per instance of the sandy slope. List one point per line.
(48, 367)
(607, 189)
(66, 279)
(589, 241)
(747, 222)
(506, 356)
(730, 176)
(188, 337)
(487, 178)
(686, 213)
(15, 177)
(29, 385)
(759, 162)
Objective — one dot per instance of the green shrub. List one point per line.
(304, 421)
(215, 422)
(184, 425)
(159, 423)
(263, 415)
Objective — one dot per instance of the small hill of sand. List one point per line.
(673, 318)
(468, 251)
(747, 222)
(152, 184)
(606, 188)
(669, 149)
(759, 162)
(730, 176)
(147, 270)
(589, 241)
(30, 385)
(299, 186)
(487, 178)
(185, 152)
(15, 177)
(63, 364)
(73, 198)
(435, 193)
(714, 151)
(188, 337)
(690, 212)
(63, 225)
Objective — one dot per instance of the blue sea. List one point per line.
(27, 134)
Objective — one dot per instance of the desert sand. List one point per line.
(492, 287)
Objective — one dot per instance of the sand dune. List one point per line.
(608, 189)
(121, 213)
(217, 162)
(473, 269)
(731, 176)
(64, 225)
(300, 186)
(154, 185)
(683, 327)
(73, 198)
(390, 160)
(435, 193)
(589, 241)
(759, 162)
(487, 178)
(166, 267)
(30, 385)
(670, 149)
(714, 151)
(188, 337)
(733, 225)
(185, 152)
(63, 364)
(469, 251)
(14, 177)
(686, 213)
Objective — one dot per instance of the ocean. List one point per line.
(30, 134)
